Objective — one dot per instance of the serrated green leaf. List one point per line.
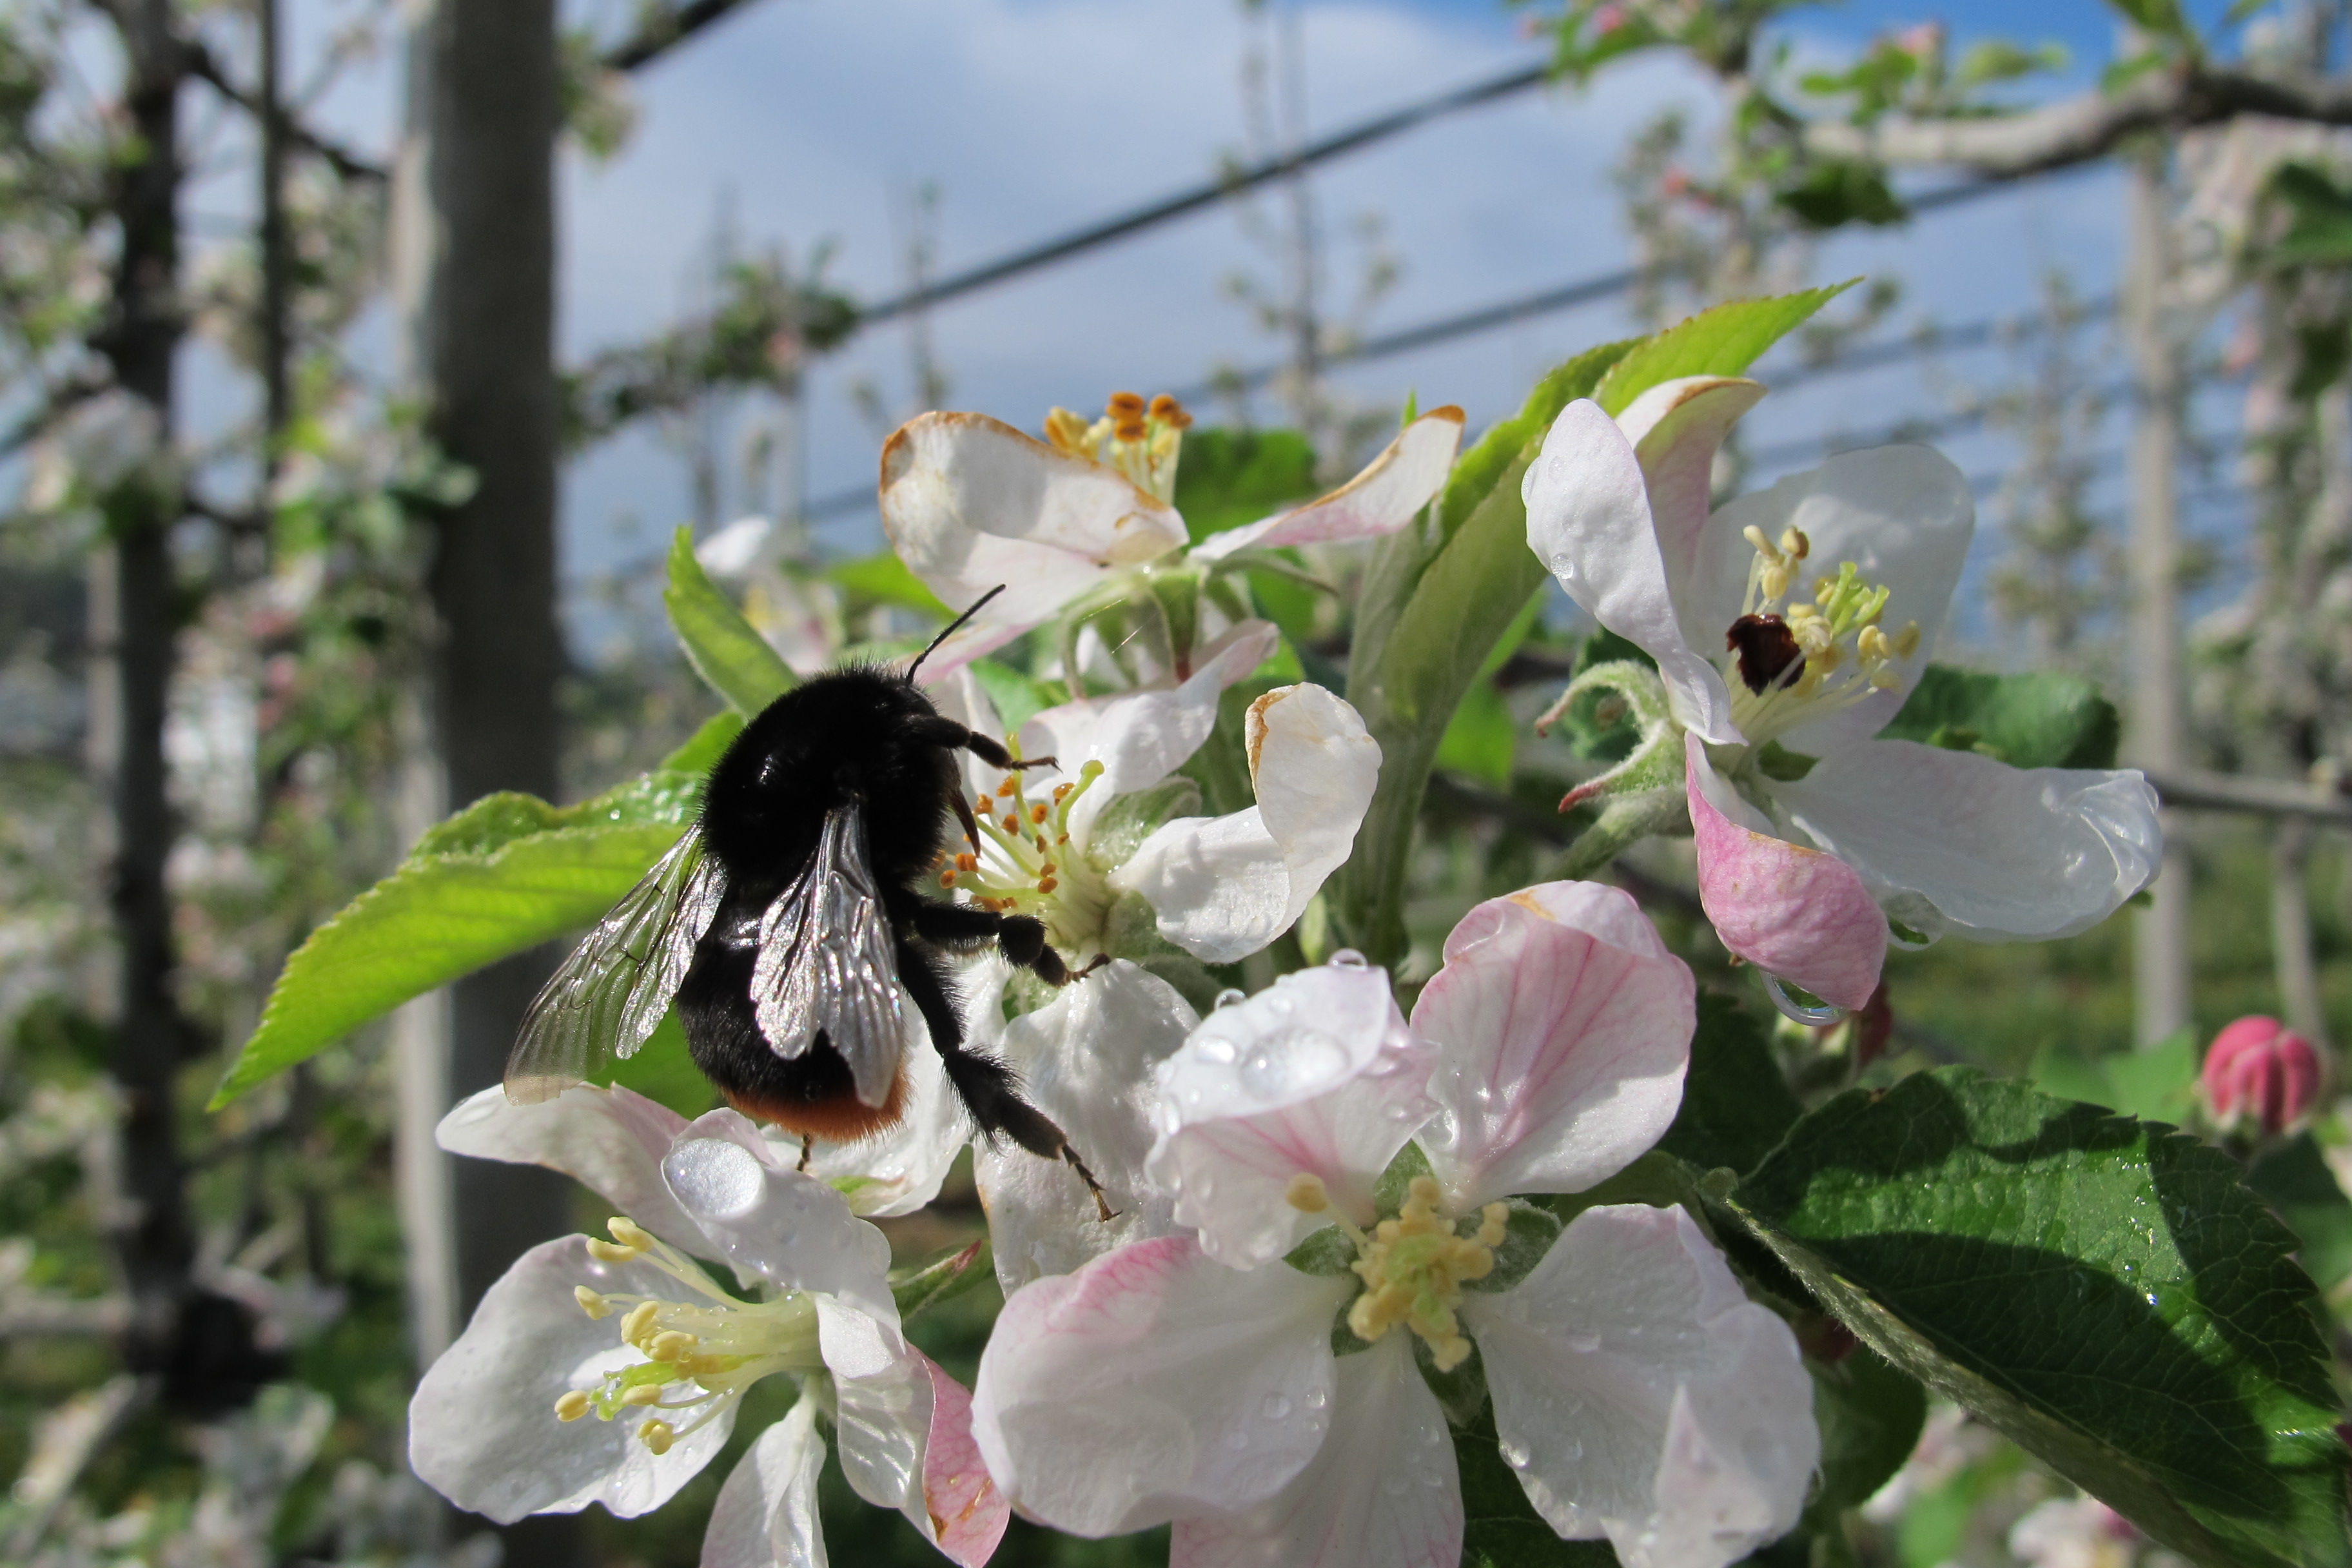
(732, 656)
(2107, 1292)
(1724, 341)
(1500, 1529)
(1225, 479)
(1736, 1105)
(1870, 1414)
(436, 920)
(2042, 720)
(2294, 1179)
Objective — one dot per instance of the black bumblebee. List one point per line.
(788, 926)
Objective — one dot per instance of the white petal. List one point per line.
(1381, 500)
(1631, 1317)
(1676, 428)
(611, 1139)
(1086, 1060)
(901, 1168)
(482, 1430)
(1997, 851)
(766, 1514)
(1312, 766)
(1219, 886)
(882, 1404)
(1319, 1075)
(1589, 522)
(1154, 1382)
(1903, 515)
(767, 1219)
(970, 503)
(961, 1511)
(1564, 1029)
(1383, 1492)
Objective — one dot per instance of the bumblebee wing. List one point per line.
(827, 962)
(611, 993)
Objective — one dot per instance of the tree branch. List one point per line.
(206, 69)
(2080, 130)
(663, 28)
(62, 400)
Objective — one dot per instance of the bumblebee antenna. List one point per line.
(952, 628)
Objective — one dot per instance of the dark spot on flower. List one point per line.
(1766, 645)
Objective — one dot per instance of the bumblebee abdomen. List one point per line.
(813, 1094)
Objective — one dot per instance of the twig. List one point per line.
(663, 29)
(203, 66)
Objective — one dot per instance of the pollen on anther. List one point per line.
(643, 1393)
(1037, 813)
(1046, 884)
(594, 1305)
(629, 1233)
(657, 1435)
(1005, 790)
(1012, 823)
(604, 1251)
(1124, 406)
(1307, 1194)
(639, 1323)
(947, 877)
(967, 862)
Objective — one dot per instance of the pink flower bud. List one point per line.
(1607, 19)
(2258, 1072)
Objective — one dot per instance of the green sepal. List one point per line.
(917, 1290)
(726, 651)
(1329, 1252)
(1461, 1392)
(1529, 1233)
(1775, 760)
(1625, 821)
(1395, 1185)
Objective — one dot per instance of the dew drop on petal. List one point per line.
(1514, 1454)
(1275, 1406)
(1819, 1016)
(1229, 996)
(1215, 1048)
(1349, 958)
(1582, 1344)
(1237, 1439)
(1393, 1484)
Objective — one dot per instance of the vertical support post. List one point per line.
(2159, 721)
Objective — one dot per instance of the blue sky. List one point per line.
(814, 121)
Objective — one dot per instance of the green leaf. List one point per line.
(663, 1070)
(1500, 1528)
(436, 920)
(917, 1290)
(2320, 230)
(707, 745)
(2155, 1084)
(2043, 720)
(884, 579)
(2294, 1179)
(1839, 191)
(2108, 1293)
(1736, 1105)
(1225, 479)
(1724, 341)
(733, 659)
(1869, 1415)
(1016, 696)
(2161, 17)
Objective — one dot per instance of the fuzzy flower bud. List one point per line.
(2261, 1073)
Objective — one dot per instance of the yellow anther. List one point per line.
(1012, 823)
(639, 1324)
(572, 1406)
(1885, 680)
(967, 862)
(1124, 406)
(1907, 641)
(642, 1394)
(1755, 536)
(1450, 1352)
(1037, 813)
(657, 1435)
(1060, 790)
(1493, 1224)
(594, 1305)
(1046, 884)
(1004, 790)
(1307, 1194)
(947, 877)
(629, 1233)
(1873, 646)
(1066, 431)
(669, 1345)
(604, 1251)
(1824, 591)
(1794, 544)
(1772, 581)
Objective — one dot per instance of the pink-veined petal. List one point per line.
(1153, 1383)
(482, 1430)
(1801, 913)
(1640, 1396)
(1903, 515)
(1676, 428)
(1378, 500)
(1316, 1075)
(883, 1405)
(766, 1515)
(1952, 841)
(767, 1219)
(610, 1139)
(1086, 1060)
(1383, 1492)
(1589, 522)
(1564, 1028)
(964, 1513)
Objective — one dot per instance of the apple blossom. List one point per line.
(1343, 1231)
(1826, 592)
(1083, 523)
(611, 1372)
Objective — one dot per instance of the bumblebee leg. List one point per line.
(943, 731)
(988, 1087)
(965, 815)
(806, 1141)
(1020, 938)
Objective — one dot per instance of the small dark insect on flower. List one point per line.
(790, 927)
(1766, 647)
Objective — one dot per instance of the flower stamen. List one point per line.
(1413, 1265)
(1138, 440)
(1790, 663)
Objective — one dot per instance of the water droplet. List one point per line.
(1349, 958)
(1393, 1484)
(1229, 996)
(1515, 1455)
(1215, 1048)
(1238, 1440)
(1582, 1344)
(1275, 1406)
(1573, 1450)
(1316, 1399)
(1277, 1005)
(1288, 1060)
(1819, 1016)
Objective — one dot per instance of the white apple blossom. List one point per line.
(1265, 1395)
(1788, 627)
(611, 1370)
(1083, 522)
